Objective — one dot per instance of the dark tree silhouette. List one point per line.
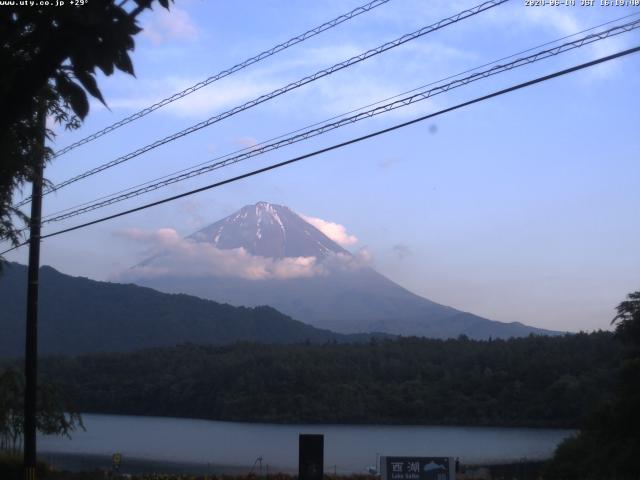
(532, 381)
(608, 445)
(628, 320)
(48, 60)
(55, 416)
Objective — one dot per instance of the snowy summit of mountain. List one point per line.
(268, 230)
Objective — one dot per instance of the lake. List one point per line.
(201, 446)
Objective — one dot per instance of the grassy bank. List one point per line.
(11, 469)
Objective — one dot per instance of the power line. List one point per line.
(263, 98)
(208, 162)
(343, 144)
(225, 73)
(403, 102)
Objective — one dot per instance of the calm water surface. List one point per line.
(348, 448)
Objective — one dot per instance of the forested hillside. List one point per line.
(534, 381)
(78, 315)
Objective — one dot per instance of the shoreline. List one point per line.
(175, 444)
(523, 426)
(81, 463)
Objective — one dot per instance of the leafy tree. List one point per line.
(628, 321)
(608, 446)
(48, 62)
(54, 416)
(533, 381)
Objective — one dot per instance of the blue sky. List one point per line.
(523, 208)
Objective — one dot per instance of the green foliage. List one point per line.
(608, 446)
(48, 62)
(534, 381)
(628, 322)
(54, 416)
(11, 423)
(11, 468)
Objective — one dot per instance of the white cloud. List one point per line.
(330, 54)
(356, 87)
(363, 257)
(435, 52)
(348, 262)
(181, 256)
(335, 231)
(206, 101)
(562, 21)
(173, 255)
(246, 142)
(192, 209)
(164, 25)
(368, 82)
(360, 90)
(365, 90)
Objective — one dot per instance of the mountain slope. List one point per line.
(347, 302)
(342, 294)
(78, 315)
(269, 230)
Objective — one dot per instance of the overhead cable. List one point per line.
(400, 103)
(379, 102)
(225, 73)
(276, 93)
(343, 144)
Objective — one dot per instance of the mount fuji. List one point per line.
(266, 254)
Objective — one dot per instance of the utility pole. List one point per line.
(31, 347)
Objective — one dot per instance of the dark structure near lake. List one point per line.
(311, 457)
